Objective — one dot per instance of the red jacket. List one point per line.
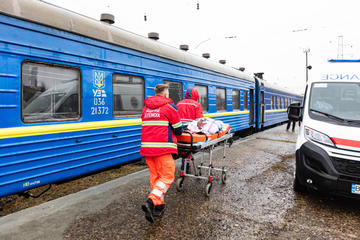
(189, 108)
(160, 121)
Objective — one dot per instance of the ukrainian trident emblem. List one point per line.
(99, 79)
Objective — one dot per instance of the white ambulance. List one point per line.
(328, 144)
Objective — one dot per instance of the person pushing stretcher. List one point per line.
(160, 123)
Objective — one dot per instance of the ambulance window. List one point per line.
(49, 92)
(128, 94)
(175, 91)
(245, 100)
(236, 99)
(220, 99)
(203, 92)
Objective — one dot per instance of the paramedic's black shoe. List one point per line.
(148, 208)
(159, 210)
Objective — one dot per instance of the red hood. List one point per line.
(192, 93)
(156, 102)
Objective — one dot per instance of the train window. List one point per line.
(175, 91)
(49, 92)
(245, 100)
(276, 102)
(236, 99)
(203, 92)
(272, 102)
(128, 94)
(220, 99)
(282, 102)
(279, 102)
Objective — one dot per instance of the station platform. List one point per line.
(112, 210)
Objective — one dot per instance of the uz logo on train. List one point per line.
(99, 94)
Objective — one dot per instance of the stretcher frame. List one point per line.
(188, 149)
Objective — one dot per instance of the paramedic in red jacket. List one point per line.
(189, 108)
(160, 124)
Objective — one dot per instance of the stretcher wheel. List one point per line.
(223, 177)
(179, 184)
(208, 189)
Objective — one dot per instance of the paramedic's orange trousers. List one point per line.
(162, 171)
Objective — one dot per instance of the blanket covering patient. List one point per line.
(206, 125)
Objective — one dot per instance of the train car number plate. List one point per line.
(355, 188)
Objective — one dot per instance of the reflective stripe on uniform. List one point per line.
(185, 103)
(158, 144)
(176, 125)
(162, 185)
(187, 120)
(155, 123)
(157, 193)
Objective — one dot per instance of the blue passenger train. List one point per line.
(72, 89)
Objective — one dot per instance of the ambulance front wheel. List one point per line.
(180, 184)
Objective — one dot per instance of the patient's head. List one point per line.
(201, 123)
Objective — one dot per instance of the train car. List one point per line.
(273, 103)
(72, 89)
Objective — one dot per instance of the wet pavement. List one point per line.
(257, 202)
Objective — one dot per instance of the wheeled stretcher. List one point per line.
(189, 144)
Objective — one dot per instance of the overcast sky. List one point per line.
(261, 35)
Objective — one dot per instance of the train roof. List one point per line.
(51, 15)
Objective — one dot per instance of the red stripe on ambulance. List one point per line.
(346, 142)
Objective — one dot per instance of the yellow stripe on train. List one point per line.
(277, 110)
(62, 128)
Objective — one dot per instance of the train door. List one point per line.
(252, 107)
(262, 108)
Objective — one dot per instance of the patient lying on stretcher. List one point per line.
(206, 125)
